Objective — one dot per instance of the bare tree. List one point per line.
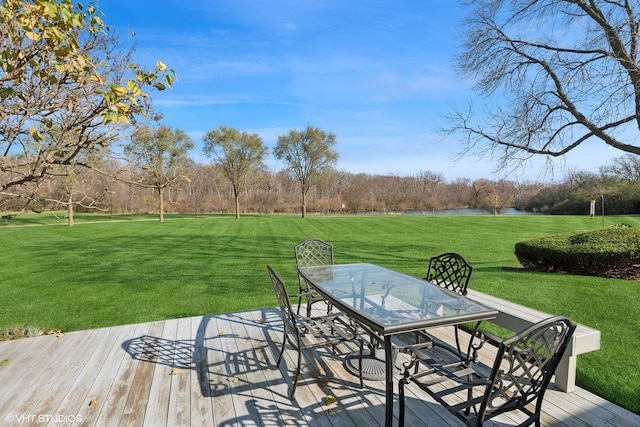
(482, 194)
(551, 75)
(308, 154)
(238, 153)
(160, 156)
(626, 168)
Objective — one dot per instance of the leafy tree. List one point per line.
(552, 74)
(238, 153)
(308, 154)
(160, 156)
(66, 90)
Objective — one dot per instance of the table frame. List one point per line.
(385, 331)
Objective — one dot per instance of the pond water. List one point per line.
(509, 211)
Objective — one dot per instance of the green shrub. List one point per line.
(586, 252)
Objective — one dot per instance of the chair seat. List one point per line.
(328, 329)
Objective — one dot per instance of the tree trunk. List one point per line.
(236, 197)
(70, 210)
(161, 204)
(304, 205)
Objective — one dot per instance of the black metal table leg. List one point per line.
(388, 353)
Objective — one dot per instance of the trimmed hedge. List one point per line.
(592, 253)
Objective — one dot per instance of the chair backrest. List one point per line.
(313, 252)
(289, 316)
(451, 271)
(524, 366)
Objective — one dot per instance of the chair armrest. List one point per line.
(417, 350)
(478, 339)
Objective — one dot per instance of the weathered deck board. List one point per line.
(160, 385)
(27, 354)
(226, 376)
(44, 373)
(99, 391)
(112, 397)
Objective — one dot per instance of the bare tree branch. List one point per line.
(549, 75)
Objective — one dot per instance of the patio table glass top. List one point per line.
(391, 302)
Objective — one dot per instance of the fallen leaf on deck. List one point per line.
(94, 402)
(332, 412)
(4, 362)
(233, 379)
(330, 399)
(174, 371)
(222, 333)
(260, 320)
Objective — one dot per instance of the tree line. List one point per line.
(199, 188)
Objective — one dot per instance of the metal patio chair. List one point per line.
(452, 272)
(304, 333)
(312, 252)
(517, 381)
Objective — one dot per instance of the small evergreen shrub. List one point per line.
(591, 253)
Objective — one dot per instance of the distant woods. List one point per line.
(208, 190)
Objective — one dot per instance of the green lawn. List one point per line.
(103, 272)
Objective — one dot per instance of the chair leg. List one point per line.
(300, 292)
(401, 402)
(457, 335)
(284, 343)
(360, 355)
(295, 377)
(308, 308)
(467, 411)
(538, 409)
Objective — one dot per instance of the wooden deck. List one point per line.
(216, 371)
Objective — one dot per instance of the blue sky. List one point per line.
(378, 74)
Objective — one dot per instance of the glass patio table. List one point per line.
(386, 302)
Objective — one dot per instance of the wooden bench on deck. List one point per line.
(516, 317)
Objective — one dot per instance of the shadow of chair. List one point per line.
(227, 356)
(163, 351)
(517, 381)
(212, 361)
